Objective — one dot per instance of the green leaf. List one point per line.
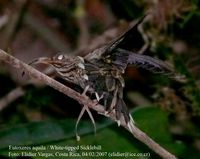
(45, 131)
(151, 120)
(154, 122)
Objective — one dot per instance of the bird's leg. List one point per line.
(85, 108)
(98, 98)
(145, 37)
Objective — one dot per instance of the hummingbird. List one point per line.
(100, 72)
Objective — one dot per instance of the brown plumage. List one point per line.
(101, 71)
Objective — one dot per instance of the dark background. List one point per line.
(166, 109)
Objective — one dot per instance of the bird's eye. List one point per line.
(60, 57)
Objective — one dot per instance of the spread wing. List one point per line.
(121, 58)
(146, 62)
(123, 51)
(130, 40)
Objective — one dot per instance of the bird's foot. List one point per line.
(85, 108)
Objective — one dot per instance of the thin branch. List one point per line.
(136, 132)
(80, 16)
(47, 34)
(11, 96)
(13, 21)
(138, 99)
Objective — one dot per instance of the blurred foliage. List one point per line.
(44, 116)
(56, 132)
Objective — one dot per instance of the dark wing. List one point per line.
(123, 51)
(131, 40)
(121, 58)
(146, 62)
